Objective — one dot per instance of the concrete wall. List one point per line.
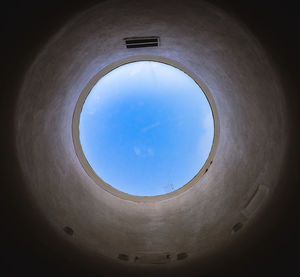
(216, 213)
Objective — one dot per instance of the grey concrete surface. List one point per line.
(223, 208)
(250, 153)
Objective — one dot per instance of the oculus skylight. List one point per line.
(146, 128)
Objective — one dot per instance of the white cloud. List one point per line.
(143, 151)
(150, 152)
(137, 151)
(208, 121)
(147, 128)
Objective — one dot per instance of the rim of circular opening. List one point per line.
(87, 167)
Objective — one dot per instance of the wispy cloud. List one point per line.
(208, 121)
(137, 151)
(150, 152)
(143, 151)
(147, 128)
(135, 69)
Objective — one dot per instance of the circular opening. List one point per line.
(144, 128)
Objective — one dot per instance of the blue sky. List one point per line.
(146, 128)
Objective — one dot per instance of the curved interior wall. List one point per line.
(245, 172)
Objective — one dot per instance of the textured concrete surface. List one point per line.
(68, 224)
(216, 211)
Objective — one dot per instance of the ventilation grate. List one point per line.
(237, 227)
(69, 230)
(152, 258)
(123, 257)
(182, 256)
(139, 42)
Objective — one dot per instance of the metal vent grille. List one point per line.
(139, 42)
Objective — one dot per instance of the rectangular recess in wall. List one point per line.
(152, 258)
(139, 42)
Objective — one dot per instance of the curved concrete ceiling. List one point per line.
(252, 144)
(199, 225)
